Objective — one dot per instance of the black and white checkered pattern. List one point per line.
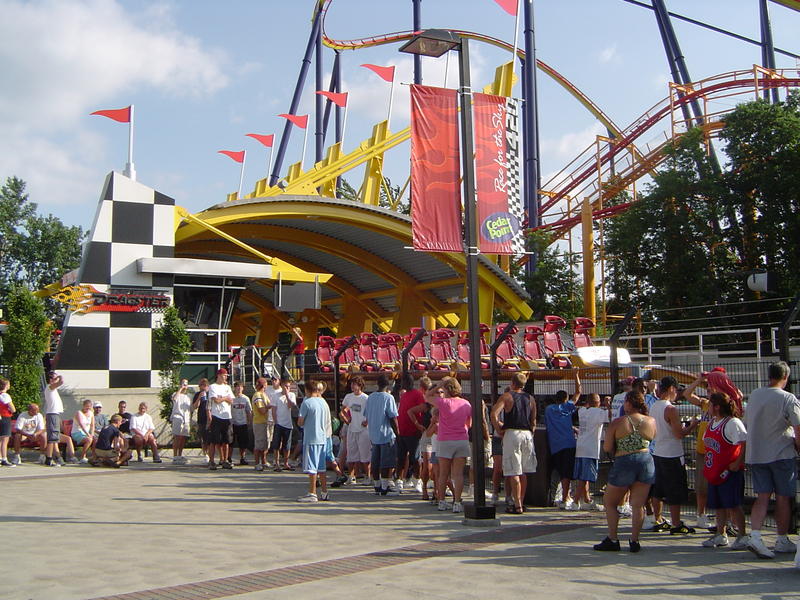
(514, 188)
(101, 350)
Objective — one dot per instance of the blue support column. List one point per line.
(530, 123)
(298, 90)
(417, 25)
(767, 47)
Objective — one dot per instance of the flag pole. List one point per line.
(130, 170)
(391, 101)
(516, 41)
(305, 143)
(446, 67)
(269, 164)
(241, 175)
(344, 126)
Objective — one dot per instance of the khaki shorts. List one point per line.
(700, 482)
(519, 456)
(107, 454)
(262, 435)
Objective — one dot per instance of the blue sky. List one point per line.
(203, 73)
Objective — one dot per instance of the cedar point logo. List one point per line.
(499, 227)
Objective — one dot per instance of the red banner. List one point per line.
(435, 190)
(497, 226)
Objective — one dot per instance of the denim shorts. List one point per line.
(779, 476)
(384, 456)
(630, 468)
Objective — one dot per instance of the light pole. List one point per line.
(434, 43)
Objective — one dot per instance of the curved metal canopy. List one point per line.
(365, 248)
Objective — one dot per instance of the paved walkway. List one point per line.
(160, 532)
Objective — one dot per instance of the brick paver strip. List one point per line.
(286, 576)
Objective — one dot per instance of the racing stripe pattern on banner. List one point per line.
(497, 175)
(435, 172)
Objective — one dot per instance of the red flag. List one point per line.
(510, 6)
(122, 115)
(337, 99)
(237, 156)
(435, 190)
(385, 73)
(496, 177)
(300, 120)
(267, 140)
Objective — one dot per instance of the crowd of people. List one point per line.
(421, 443)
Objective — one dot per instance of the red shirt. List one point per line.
(409, 399)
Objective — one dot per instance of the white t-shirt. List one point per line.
(356, 405)
(30, 424)
(6, 399)
(141, 423)
(284, 407)
(181, 406)
(734, 430)
(590, 430)
(616, 404)
(52, 401)
(221, 410)
(240, 408)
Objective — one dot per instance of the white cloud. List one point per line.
(563, 150)
(661, 82)
(61, 60)
(608, 54)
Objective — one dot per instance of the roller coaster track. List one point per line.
(590, 175)
(400, 36)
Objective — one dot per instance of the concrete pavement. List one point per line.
(167, 533)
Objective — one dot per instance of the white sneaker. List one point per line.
(784, 546)
(205, 459)
(398, 485)
(758, 548)
(741, 543)
(703, 522)
(458, 507)
(408, 484)
(84, 461)
(570, 505)
(715, 541)
(42, 459)
(392, 490)
(308, 498)
(259, 467)
(625, 510)
(60, 461)
(418, 486)
(592, 506)
(442, 505)
(447, 492)
(648, 522)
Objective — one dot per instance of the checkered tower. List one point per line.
(100, 350)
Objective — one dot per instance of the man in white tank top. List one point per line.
(671, 485)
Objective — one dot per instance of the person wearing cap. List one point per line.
(220, 398)
(100, 420)
(671, 484)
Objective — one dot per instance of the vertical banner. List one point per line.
(435, 170)
(497, 170)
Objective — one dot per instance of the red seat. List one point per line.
(388, 352)
(417, 355)
(464, 351)
(349, 357)
(325, 353)
(553, 344)
(581, 326)
(441, 349)
(366, 352)
(532, 343)
(507, 351)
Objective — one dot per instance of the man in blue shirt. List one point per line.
(315, 419)
(380, 419)
(561, 436)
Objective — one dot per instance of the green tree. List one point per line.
(173, 344)
(24, 343)
(555, 288)
(35, 250)
(762, 181)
